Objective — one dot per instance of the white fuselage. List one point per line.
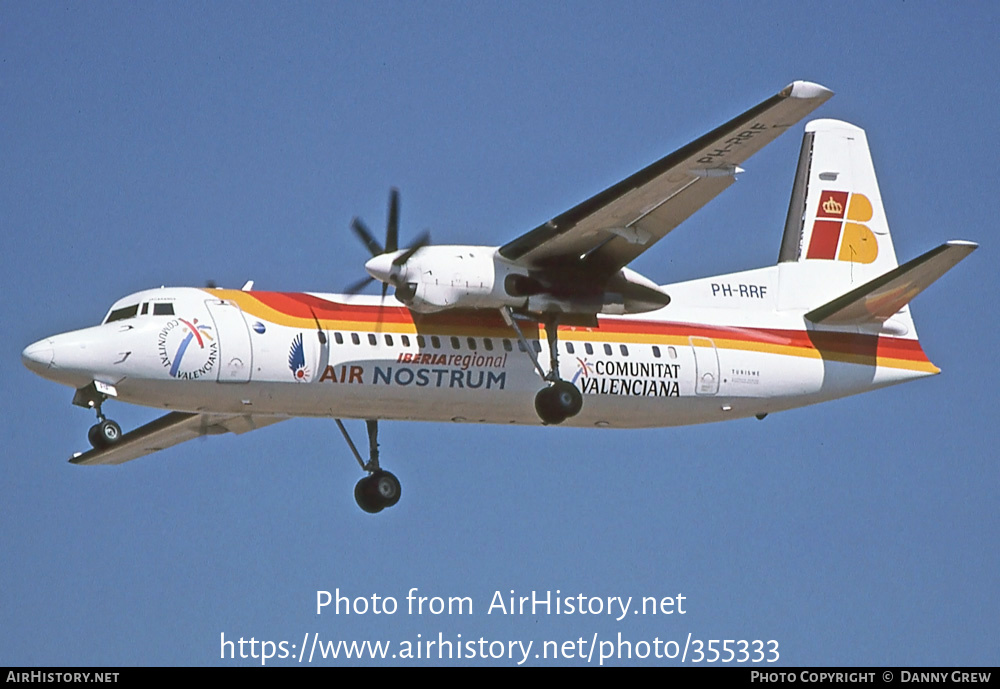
(722, 349)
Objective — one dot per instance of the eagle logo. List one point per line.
(297, 360)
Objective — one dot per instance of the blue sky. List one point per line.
(171, 143)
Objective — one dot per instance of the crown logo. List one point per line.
(839, 238)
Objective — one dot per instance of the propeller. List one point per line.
(382, 265)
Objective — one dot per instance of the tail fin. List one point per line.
(836, 211)
(837, 260)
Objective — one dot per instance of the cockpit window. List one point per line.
(163, 309)
(123, 313)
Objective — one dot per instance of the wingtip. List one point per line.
(806, 90)
(971, 246)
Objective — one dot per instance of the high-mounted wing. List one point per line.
(606, 232)
(170, 430)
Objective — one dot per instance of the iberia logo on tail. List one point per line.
(835, 236)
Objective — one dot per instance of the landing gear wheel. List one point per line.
(567, 397)
(379, 489)
(376, 492)
(365, 498)
(94, 437)
(546, 407)
(104, 434)
(388, 488)
(558, 402)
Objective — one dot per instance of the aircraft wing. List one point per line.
(609, 230)
(170, 430)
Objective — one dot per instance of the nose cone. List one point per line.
(38, 356)
(380, 267)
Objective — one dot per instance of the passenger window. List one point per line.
(388, 340)
(537, 346)
(371, 340)
(455, 343)
(672, 352)
(607, 349)
(488, 343)
(624, 350)
(472, 343)
(435, 342)
(338, 337)
(520, 345)
(355, 339)
(507, 347)
(569, 348)
(405, 339)
(421, 341)
(163, 309)
(588, 347)
(656, 351)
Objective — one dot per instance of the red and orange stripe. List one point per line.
(300, 310)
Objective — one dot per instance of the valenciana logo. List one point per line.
(835, 236)
(585, 368)
(187, 349)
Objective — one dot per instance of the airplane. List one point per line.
(550, 328)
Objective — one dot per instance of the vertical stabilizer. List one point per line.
(836, 233)
(836, 212)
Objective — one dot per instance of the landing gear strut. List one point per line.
(560, 399)
(379, 489)
(105, 432)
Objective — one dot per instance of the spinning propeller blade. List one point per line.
(421, 241)
(391, 246)
(356, 287)
(365, 235)
(392, 227)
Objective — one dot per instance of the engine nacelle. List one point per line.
(464, 277)
(474, 277)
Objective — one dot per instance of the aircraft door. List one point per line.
(235, 352)
(706, 363)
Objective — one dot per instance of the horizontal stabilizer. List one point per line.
(877, 300)
(170, 430)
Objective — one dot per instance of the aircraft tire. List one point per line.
(567, 398)
(547, 406)
(387, 487)
(93, 435)
(108, 432)
(365, 496)
(104, 434)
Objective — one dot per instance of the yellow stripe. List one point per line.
(260, 310)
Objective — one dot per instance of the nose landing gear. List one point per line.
(105, 432)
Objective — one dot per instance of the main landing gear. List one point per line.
(560, 399)
(379, 489)
(105, 432)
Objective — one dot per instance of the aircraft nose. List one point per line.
(38, 356)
